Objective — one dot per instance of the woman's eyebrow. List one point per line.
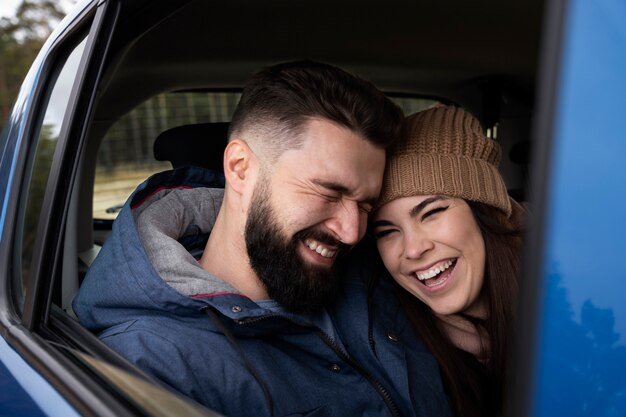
(418, 208)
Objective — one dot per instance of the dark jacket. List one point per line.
(149, 299)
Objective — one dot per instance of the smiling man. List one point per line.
(298, 222)
(254, 326)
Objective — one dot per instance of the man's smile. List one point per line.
(320, 248)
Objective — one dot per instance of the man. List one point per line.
(253, 327)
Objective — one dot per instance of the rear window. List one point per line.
(126, 158)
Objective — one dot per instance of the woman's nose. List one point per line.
(416, 244)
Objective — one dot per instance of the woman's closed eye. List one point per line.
(433, 212)
(381, 233)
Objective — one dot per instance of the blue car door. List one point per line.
(572, 356)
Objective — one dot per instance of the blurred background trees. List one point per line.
(21, 38)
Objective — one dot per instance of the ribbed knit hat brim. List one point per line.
(445, 152)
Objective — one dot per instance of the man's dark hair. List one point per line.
(278, 101)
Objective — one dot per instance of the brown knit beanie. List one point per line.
(445, 152)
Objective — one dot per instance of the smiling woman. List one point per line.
(439, 243)
(448, 234)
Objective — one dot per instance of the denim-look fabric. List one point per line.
(239, 359)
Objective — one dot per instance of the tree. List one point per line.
(21, 38)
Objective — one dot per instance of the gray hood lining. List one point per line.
(169, 215)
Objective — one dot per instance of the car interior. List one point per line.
(481, 55)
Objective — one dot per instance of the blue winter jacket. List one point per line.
(155, 305)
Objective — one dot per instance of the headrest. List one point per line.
(199, 145)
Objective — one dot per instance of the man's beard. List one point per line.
(288, 279)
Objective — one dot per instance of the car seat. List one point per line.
(199, 145)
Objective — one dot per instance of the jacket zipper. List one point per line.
(382, 392)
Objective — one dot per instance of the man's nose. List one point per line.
(348, 223)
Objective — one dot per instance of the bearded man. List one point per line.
(261, 323)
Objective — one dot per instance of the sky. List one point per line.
(7, 7)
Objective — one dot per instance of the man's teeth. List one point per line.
(435, 271)
(317, 247)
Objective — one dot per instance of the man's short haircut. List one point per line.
(278, 101)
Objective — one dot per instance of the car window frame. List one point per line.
(520, 400)
(49, 236)
(27, 332)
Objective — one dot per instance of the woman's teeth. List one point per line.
(317, 247)
(433, 272)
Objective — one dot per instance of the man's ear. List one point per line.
(240, 165)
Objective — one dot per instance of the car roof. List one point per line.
(449, 49)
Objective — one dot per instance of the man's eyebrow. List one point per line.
(342, 189)
(418, 208)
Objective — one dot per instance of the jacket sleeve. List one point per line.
(155, 355)
(204, 376)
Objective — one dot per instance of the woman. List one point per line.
(450, 236)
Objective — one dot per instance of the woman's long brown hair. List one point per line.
(476, 390)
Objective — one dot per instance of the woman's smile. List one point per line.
(433, 248)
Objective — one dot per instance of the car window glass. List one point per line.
(49, 127)
(126, 157)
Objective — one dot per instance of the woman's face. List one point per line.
(433, 248)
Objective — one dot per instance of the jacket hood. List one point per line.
(145, 264)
